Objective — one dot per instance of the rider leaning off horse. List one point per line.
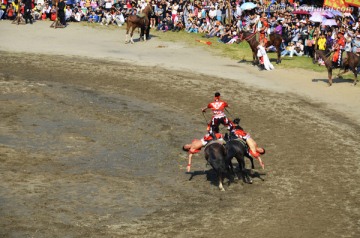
(338, 49)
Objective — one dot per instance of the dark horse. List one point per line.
(237, 148)
(215, 154)
(351, 62)
(275, 40)
(142, 21)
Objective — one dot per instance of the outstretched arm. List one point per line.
(188, 167)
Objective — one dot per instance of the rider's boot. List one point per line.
(334, 64)
(213, 135)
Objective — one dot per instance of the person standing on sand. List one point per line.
(61, 12)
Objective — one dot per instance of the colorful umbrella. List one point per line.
(248, 6)
(329, 22)
(317, 18)
(301, 12)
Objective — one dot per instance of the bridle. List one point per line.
(248, 38)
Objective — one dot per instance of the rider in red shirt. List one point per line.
(338, 48)
(218, 106)
(254, 150)
(263, 29)
(196, 145)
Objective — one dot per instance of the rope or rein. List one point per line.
(248, 38)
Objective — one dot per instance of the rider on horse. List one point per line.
(218, 106)
(196, 146)
(263, 26)
(254, 150)
(338, 49)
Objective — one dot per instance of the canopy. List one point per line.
(336, 4)
(355, 3)
(248, 6)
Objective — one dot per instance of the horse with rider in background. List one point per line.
(139, 21)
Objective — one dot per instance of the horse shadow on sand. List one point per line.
(212, 176)
(336, 79)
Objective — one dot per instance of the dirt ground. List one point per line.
(90, 142)
(94, 150)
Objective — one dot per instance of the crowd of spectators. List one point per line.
(211, 18)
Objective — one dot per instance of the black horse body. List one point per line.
(215, 154)
(238, 149)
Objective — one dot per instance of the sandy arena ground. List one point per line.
(91, 132)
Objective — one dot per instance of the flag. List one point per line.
(355, 3)
(335, 3)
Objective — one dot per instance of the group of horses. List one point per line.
(350, 63)
(220, 155)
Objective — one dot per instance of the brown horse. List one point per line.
(351, 62)
(141, 21)
(274, 39)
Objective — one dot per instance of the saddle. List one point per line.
(141, 15)
(219, 141)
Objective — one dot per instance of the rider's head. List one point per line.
(186, 147)
(217, 96)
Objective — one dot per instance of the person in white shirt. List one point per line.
(119, 18)
(212, 13)
(107, 18)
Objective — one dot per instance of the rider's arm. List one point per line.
(188, 167)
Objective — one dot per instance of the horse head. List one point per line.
(148, 10)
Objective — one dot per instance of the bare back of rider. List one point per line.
(196, 145)
(254, 150)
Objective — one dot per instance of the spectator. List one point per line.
(119, 18)
(298, 50)
(10, 12)
(107, 18)
(93, 18)
(356, 45)
(288, 50)
(99, 13)
(225, 37)
(193, 28)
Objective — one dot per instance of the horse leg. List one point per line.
(278, 61)
(244, 175)
(221, 187)
(355, 76)
(127, 33)
(330, 77)
(131, 35)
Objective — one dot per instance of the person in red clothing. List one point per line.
(218, 106)
(254, 150)
(338, 49)
(196, 145)
(263, 29)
